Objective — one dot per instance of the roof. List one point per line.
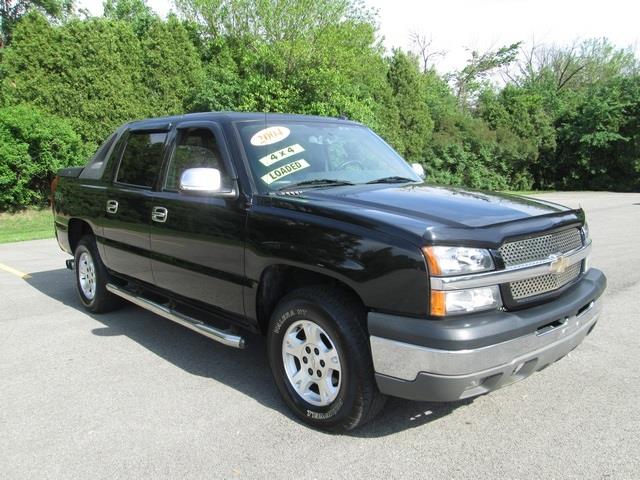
(225, 117)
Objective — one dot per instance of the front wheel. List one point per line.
(320, 359)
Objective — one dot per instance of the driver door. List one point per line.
(198, 242)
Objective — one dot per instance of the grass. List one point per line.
(30, 224)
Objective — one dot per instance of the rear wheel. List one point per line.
(92, 278)
(320, 359)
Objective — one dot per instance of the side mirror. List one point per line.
(419, 170)
(205, 181)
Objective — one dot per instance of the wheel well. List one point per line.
(77, 229)
(278, 280)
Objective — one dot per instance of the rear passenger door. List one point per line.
(128, 210)
(198, 247)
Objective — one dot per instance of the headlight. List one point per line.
(453, 302)
(457, 260)
(444, 261)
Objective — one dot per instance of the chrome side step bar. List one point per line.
(198, 326)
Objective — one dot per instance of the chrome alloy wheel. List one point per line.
(87, 275)
(312, 363)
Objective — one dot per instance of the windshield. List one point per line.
(306, 153)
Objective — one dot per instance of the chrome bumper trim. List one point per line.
(511, 274)
(405, 361)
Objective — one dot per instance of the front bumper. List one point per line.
(449, 361)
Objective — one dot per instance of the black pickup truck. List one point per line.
(312, 231)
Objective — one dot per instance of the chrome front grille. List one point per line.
(539, 248)
(544, 283)
(531, 250)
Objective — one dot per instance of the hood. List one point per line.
(441, 214)
(444, 205)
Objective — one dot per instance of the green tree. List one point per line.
(135, 12)
(409, 95)
(600, 140)
(464, 151)
(572, 67)
(13, 10)
(33, 147)
(98, 74)
(525, 132)
(572, 107)
(308, 56)
(172, 72)
(89, 72)
(473, 77)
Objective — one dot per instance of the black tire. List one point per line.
(343, 319)
(102, 300)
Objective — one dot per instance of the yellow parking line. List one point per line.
(12, 270)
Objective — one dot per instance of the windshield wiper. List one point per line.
(320, 182)
(393, 179)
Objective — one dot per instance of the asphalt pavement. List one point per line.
(132, 395)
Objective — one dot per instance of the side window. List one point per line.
(195, 147)
(95, 167)
(141, 159)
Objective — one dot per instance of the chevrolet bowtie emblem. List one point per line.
(558, 263)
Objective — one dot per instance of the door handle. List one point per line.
(159, 214)
(112, 206)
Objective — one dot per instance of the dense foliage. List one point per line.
(563, 118)
(33, 146)
(98, 73)
(12, 10)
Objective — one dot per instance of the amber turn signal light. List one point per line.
(438, 307)
(432, 261)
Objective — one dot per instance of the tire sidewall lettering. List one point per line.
(335, 408)
(288, 315)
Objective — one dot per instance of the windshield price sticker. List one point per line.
(284, 170)
(281, 155)
(270, 135)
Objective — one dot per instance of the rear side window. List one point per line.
(141, 159)
(95, 168)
